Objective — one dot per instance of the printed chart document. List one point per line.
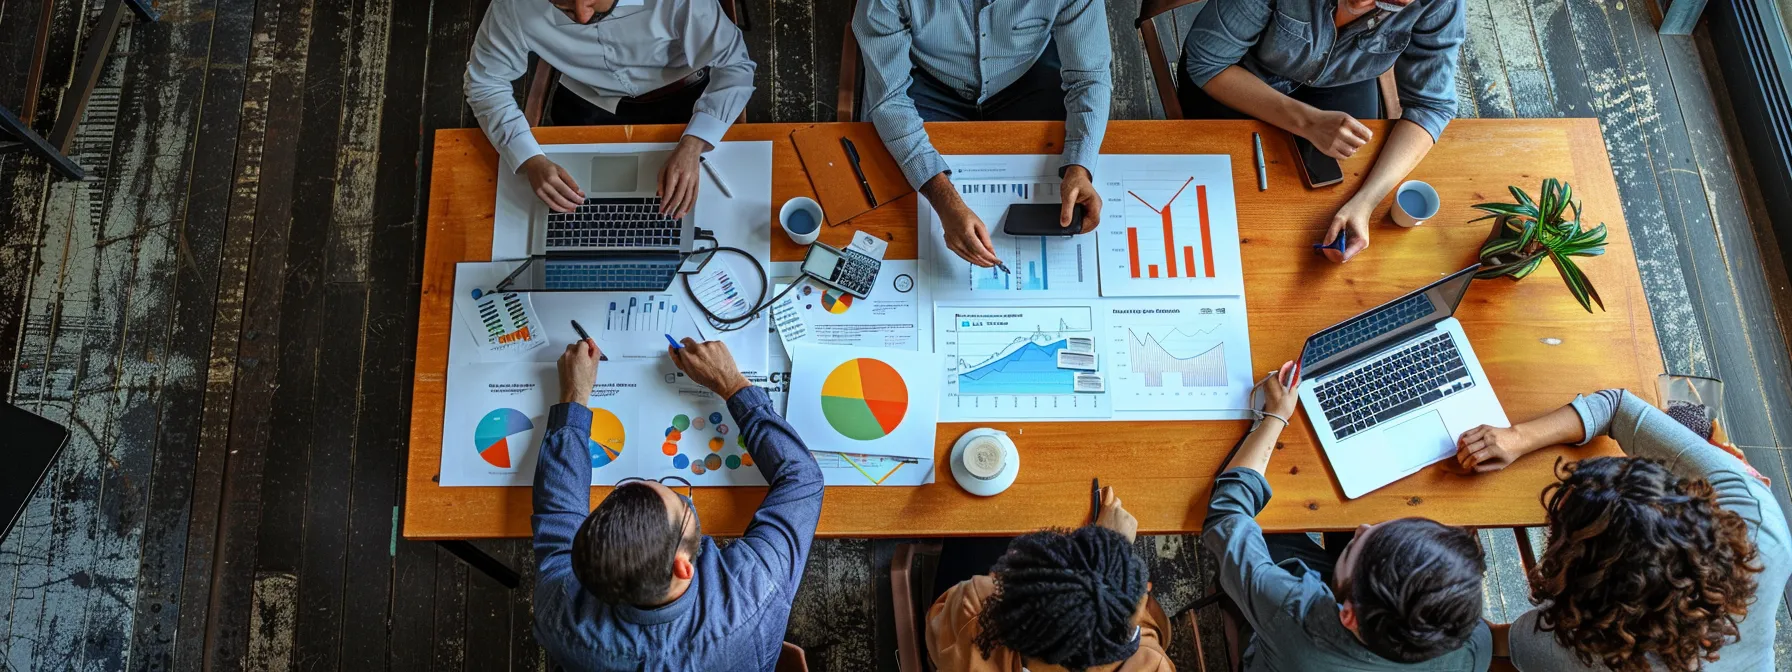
(502, 324)
(1040, 266)
(627, 325)
(1188, 355)
(1001, 361)
(874, 401)
(1169, 226)
(886, 318)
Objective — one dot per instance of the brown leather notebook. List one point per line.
(836, 187)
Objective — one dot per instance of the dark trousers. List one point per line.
(568, 109)
(1361, 100)
(1037, 96)
(1299, 546)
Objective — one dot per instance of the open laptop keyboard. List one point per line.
(1422, 372)
(598, 276)
(614, 223)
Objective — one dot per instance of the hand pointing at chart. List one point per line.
(709, 364)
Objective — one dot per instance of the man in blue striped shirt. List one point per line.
(981, 60)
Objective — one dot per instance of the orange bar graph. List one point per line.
(1169, 241)
(1206, 233)
(1188, 260)
(1132, 236)
(1132, 248)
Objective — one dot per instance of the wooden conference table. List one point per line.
(1538, 347)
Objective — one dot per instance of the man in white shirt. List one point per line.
(621, 62)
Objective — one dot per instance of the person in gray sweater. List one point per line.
(1671, 558)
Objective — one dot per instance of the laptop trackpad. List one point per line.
(614, 173)
(1418, 441)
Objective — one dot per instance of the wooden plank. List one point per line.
(1561, 64)
(525, 652)
(1135, 94)
(1738, 250)
(323, 567)
(793, 69)
(763, 48)
(1522, 59)
(272, 616)
(21, 202)
(391, 250)
(357, 154)
(1510, 340)
(1480, 60)
(450, 623)
(1677, 315)
(831, 21)
(834, 612)
(488, 630)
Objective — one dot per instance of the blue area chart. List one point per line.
(1030, 369)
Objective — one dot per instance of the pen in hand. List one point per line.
(587, 337)
(675, 344)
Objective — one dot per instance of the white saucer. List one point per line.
(977, 486)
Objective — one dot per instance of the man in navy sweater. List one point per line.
(636, 585)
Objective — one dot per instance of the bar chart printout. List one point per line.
(1171, 233)
(1178, 354)
(1041, 265)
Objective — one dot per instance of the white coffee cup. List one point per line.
(1414, 202)
(807, 222)
(984, 461)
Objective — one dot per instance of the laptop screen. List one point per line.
(32, 444)
(1387, 323)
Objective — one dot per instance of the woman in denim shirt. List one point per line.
(1309, 67)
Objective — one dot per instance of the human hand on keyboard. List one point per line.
(551, 184)
(678, 178)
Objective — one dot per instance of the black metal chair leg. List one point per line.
(36, 144)
(483, 562)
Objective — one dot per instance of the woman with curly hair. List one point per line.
(1055, 601)
(1654, 560)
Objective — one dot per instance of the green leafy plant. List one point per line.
(1528, 231)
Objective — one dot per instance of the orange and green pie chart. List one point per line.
(607, 437)
(864, 399)
(836, 301)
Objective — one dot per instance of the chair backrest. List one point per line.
(791, 658)
(1155, 52)
(846, 99)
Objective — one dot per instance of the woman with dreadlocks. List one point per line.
(1057, 600)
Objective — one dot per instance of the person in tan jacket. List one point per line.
(1057, 600)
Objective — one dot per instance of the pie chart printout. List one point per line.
(607, 437)
(864, 399)
(835, 301)
(493, 434)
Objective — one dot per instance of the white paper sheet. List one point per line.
(1189, 355)
(874, 401)
(1169, 226)
(1001, 361)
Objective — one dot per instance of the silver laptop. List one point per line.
(616, 240)
(1390, 390)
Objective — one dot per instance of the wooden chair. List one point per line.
(792, 659)
(846, 101)
(1158, 54)
(905, 585)
(543, 77)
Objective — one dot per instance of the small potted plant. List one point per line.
(1526, 232)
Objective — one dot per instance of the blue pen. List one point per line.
(675, 344)
(1337, 244)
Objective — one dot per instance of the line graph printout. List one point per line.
(1178, 355)
(1170, 227)
(1039, 266)
(1002, 361)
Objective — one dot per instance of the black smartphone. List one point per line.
(1317, 169)
(1041, 219)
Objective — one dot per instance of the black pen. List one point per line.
(852, 157)
(587, 337)
(1094, 500)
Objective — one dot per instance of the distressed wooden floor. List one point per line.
(225, 316)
